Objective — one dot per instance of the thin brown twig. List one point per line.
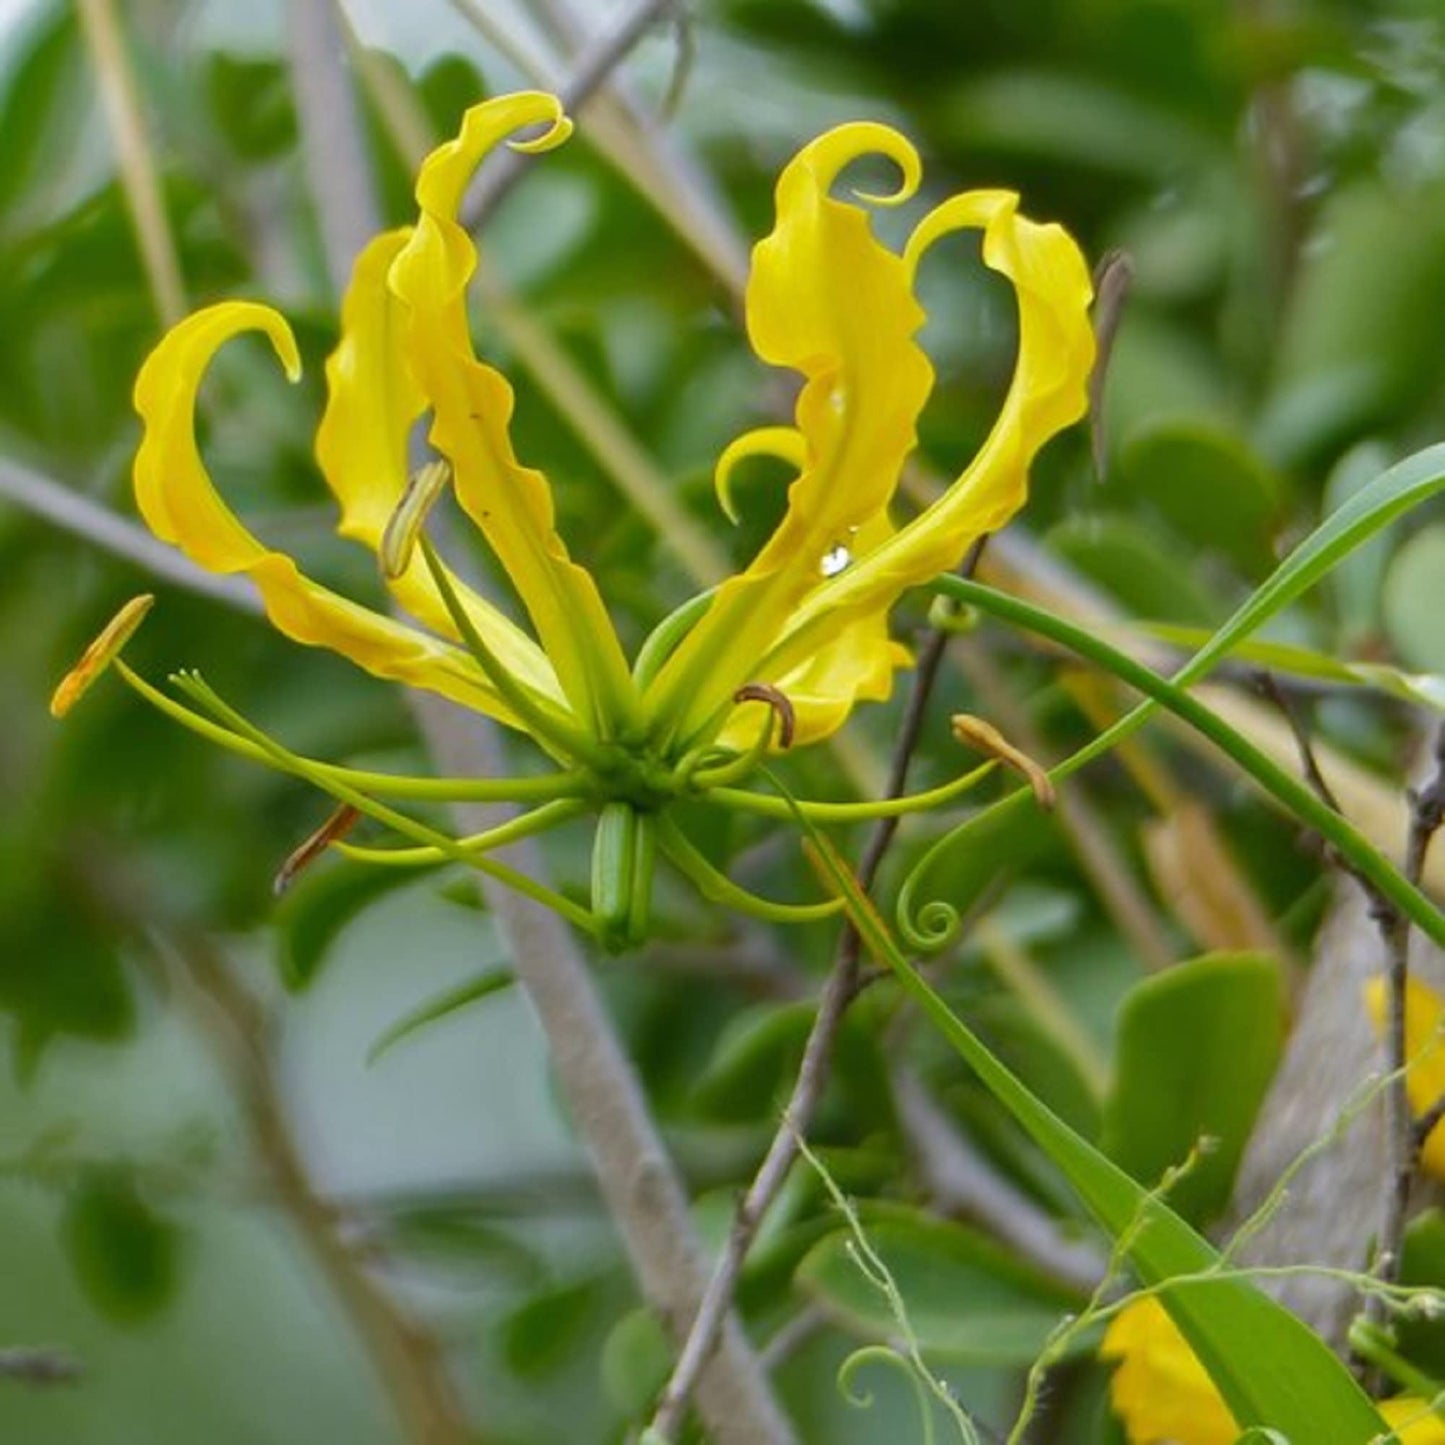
(813, 1070)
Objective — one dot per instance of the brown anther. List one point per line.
(974, 732)
(336, 827)
(778, 701)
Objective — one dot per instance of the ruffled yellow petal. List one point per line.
(1164, 1396)
(181, 506)
(855, 666)
(1425, 1046)
(373, 400)
(827, 300)
(1048, 392)
(472, 405)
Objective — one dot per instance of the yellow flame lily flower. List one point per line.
(802, 630)
(1164, 1396)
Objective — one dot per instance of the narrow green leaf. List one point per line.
(1391, 494)
(1283, 787)
(1270, 1368)
(438, 1007)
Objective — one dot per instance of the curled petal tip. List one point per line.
(100, 654)
(836, 149)
(783, 442)
(557, 133)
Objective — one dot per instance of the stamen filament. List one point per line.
(539, 820)
(386, 785)
(744, 800)
(265, 749)
(717, 886)
(663, 640)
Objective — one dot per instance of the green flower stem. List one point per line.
(539, 820)
(1279, 784)
(256, 745)
(721, 889)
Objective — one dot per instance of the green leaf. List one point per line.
(37, 114)
(1414, 597)
(968, 1299)
(636, 1361)
(1171, 1089)
(125, 1255)
(450, 1001)
(1268, 1365)
(312, 915)
(1123, 556)
(1208, 485)
(1422, 1341)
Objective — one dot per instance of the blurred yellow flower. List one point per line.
(1425, 1048)
(1163, 1396)
(802, 629)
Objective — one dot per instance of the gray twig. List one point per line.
(839, 991)
(593, 69)
(32, 1365)
(960, 1181)
(97, 524)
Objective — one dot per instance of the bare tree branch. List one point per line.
(94, 523)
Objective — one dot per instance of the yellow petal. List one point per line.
(1048, 392)
(1413, 1421)
(1159, 1390)
(1164, 1396)
(100, 654)
(827, 300)
(472, 405)
(373, 401)
(181, 506)
(1425, 1047)
(856, 665)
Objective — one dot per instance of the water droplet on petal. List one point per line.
(835, 559)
